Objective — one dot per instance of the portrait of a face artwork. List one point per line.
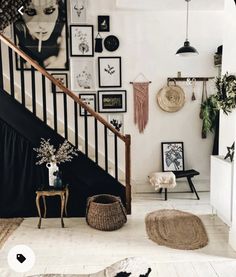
(42, 33)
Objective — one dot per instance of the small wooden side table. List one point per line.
(64, 195)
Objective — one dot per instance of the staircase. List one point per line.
(30, 111)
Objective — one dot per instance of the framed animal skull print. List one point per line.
(78, 11)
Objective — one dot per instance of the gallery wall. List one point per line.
(149, 41)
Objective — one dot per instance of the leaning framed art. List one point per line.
(81, 41)
(109, 72)
(112, 101)
(45, 41)
(172, 156)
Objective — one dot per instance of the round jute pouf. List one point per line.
(105, 212)
(176, 229)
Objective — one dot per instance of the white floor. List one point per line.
(81, 249)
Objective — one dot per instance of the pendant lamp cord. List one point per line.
(187, 19)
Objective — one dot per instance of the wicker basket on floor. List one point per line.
(105, 212)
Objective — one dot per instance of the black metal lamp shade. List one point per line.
(187, 50)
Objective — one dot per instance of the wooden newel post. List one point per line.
(128, 172)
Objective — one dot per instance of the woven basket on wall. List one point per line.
(105, 212)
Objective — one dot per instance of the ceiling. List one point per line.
(164, 5)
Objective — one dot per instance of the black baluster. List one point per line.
(33, 90)
(76, 124)
(22, 81)
(1, 70)
(54, 107)
(96, 138)
(116, 156)
(65, 116)
(106, 148)
(11, 71)
(44, 99)
(86, 131)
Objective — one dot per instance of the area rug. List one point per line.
(7, 227)
(176, 229)
(129, 267)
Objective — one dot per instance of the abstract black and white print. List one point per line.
(172, 156)
(78, 11)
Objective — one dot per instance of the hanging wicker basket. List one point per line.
(105, 212)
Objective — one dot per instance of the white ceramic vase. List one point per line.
(52, 168)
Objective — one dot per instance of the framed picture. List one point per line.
(117, 121)
(82, 75)
(43, 40)
(81, 41)
(172, 156)
(109, 72)
(112, 101)
(90, 100)
(78, 11)
(62, 78)
(103, 23)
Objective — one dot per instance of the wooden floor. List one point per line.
(81, 249)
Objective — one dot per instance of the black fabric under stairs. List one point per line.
(20, 132)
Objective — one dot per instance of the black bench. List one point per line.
(189, 174)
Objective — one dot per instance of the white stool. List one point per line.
(162, 180)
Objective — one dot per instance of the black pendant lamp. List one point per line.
(187, 50)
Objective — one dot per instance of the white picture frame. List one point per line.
(109, 72)
(90, 100)
(82, 75)
(81, 40)
(78, 9)
(117, 121)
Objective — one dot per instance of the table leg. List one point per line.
(39, 211)
(45, 207)
(67, 196)
(62, 209)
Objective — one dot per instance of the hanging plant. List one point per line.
(226, 92)
(224, 99)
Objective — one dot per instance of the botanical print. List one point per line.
(42, 34)
(90, 100)
(78, 11)
(172, 156)
(117, 121)
(82, 40)
(82, 75)
(109, 71)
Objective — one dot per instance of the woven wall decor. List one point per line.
(9, 11)
(141, 106)
(171, 98)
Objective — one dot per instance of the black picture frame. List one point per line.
(94, 106)
(103, 23)
(38, 49)
(58, 77)
(109, 72)
(112, 101)
(80, 46)
(172, 156)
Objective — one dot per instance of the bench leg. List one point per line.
(160, 191)
(192, 187)
(165, 194)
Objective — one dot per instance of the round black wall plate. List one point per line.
(111, 43)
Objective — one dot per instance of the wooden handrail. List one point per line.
(63, 88)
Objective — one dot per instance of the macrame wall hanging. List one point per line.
(9, 11)
(141, 103)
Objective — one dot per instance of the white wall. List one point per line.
(149, 41)
(227, 126)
